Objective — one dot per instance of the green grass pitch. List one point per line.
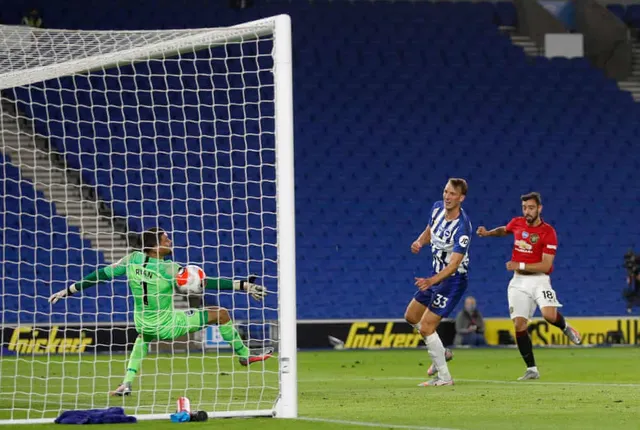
(590, 388)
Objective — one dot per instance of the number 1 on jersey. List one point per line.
(145, 291)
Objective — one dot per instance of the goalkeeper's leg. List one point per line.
(140, 350)
(221, 317)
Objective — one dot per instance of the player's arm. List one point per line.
(540, 267)
(422, 240)
(257, 291)
(496, 232)
(449, 269)
(106, 273)
(425, 236)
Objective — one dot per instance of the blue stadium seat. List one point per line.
(377, 107)
(632, 15)
(618, 10)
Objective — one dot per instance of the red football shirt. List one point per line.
(529, 243)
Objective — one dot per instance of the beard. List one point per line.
(532, 218)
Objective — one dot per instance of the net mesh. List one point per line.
(104, 135)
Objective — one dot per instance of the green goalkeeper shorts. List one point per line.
(181, 323)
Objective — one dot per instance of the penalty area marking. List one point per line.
(371, 424)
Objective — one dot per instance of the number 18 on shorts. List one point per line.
(528, 291)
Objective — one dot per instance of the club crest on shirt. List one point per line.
(534, 238)
(525, 234)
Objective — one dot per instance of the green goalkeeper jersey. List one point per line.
(152, 282)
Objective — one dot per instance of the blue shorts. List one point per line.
(441, 299)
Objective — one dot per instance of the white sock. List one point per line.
(534, 368)
(436, 351)
(416, 326)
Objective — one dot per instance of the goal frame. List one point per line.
(286, 405)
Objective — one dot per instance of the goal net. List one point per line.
(106, 134)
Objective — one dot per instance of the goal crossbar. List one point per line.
(187, 41)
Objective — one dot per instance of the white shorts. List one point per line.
(527, 291)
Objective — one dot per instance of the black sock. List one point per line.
(525, 347)
(560, 322)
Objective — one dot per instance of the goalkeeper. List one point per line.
(152, 280)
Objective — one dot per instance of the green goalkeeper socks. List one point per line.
(231, 335)
(139, 352)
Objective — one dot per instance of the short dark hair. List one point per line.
(461, 184)
(151, 238)
(532, 196)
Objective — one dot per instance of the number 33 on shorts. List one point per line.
(440, 301)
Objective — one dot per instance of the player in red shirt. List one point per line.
(534, 248)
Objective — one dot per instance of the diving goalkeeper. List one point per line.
(152, 280)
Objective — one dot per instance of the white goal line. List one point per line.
(487, 381)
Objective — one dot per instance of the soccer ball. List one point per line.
(190, 279)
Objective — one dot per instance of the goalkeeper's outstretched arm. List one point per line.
(92, 279)
(257, 291)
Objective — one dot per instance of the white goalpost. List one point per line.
(105, 134)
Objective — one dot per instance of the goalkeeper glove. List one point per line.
(258, 292)
(62, 294)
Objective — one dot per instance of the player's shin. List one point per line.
(559, 322)
(231, 335)
(139, 352)
(526, 348)
(437, 352)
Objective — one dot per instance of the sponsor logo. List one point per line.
(366, 335)
(523, 246)
(463, 241)
(353, 334)
(29, 340)
(213, 338)
(594, 331)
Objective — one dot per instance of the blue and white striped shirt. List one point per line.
(448, 237)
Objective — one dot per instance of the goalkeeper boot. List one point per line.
(448, 355)
(122, 390)
(254, 358)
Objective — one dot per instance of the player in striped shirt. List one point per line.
(449, 233)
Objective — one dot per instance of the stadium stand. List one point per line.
(390, 100)
(629, 14)
(41, 252)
